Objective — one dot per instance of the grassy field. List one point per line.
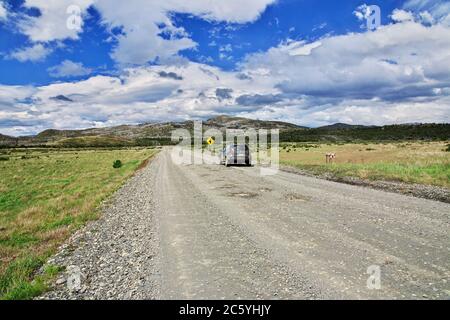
(411, 162)
(45, 195)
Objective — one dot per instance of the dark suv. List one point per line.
(236, 154)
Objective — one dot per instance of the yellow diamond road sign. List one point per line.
(210, 141)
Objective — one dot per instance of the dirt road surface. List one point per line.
(230, 233)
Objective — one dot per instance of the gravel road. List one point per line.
(210, 232)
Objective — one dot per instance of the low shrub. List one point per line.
(117, 164)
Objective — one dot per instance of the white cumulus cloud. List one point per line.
(51, 24)
(398, 61)
(140, 21)
(402, 15)
(68, 68)
(37, 52)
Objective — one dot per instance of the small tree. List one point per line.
(117, 164)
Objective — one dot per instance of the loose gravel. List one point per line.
(116, 256)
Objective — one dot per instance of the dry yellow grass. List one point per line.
(414, 162)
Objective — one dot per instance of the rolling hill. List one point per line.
(144, 134)
(150, 134)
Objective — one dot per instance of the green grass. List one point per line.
(18, 282)
(421, 162)
(45, 195)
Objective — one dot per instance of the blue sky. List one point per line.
(308, 62)
(295, 19)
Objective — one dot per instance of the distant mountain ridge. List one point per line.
(160, 133)
(129, 134)
(342, 126)
(165, 129)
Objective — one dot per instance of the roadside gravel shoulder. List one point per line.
(416, 190)
(115, 257)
